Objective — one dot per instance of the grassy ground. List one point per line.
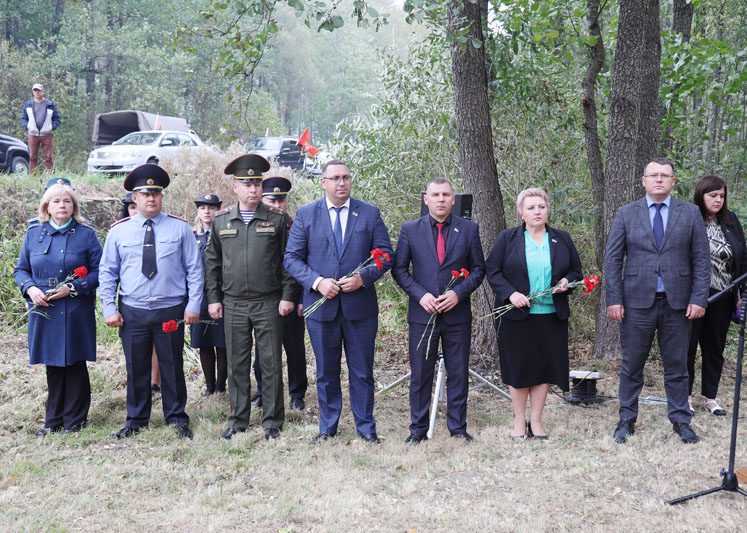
(579, 479)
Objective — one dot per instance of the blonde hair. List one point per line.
(56, 190)
(530, 193)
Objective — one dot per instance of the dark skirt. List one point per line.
(202, 335)
(534, 351)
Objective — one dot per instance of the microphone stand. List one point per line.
(730, 482)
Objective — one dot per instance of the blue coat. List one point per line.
(311, 252)
(49, 256)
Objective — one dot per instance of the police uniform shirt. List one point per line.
(178, 258)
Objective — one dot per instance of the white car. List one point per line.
(138, 148)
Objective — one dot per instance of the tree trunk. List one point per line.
(682, 20)
(648, 126)
(621, 165)
(591, 133)
(476, 157)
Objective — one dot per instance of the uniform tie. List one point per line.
(440, 243)
(338, 230)
(149, 268)
(658, 226)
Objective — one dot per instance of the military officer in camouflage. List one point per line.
(244, 270)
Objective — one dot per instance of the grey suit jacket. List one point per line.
(632, 260)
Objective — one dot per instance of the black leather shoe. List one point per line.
(321, 438)
(126, 432)
(76, 428)
(43, 432)
(256, 401)
(466, 436)
(297, 404)
(272, 433)
(371, 438)
(686, 433)
(183, 432)
(413, 439)
(230, 432)
(624, 429)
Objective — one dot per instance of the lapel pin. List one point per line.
(456, 230)
(355, 213)
(553, 240)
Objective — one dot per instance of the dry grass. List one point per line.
(579, 479)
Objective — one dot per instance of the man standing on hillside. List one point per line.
(40, 118)
(657, 273)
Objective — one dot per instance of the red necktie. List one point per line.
(440, 243)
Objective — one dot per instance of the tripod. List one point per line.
(438, 392)
(730, 482)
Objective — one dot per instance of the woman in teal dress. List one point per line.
(533, 337)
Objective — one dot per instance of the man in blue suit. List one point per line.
(328, 240)
(428, 250)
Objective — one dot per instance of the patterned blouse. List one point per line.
(722, 256)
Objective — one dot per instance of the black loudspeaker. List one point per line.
(462, 206)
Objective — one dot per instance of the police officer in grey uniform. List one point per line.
(244, 270)
(155, 261)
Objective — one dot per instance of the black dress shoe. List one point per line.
(75, 428)
(624, 429)
(230, 432)
(126, 432)
(321, 438)
(371, 438)
(256, 401)
(43, 432)
(686, 433)
(272, 433)
(466, 436)
(183, 432)
(297, 404)
(413, 439)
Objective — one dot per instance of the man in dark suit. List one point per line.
(428, 250)
(662, 243)
(329, 238)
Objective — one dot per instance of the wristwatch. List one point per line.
(71, 287)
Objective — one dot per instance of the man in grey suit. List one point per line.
(657, 274)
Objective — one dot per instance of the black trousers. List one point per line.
(141, 330)
(455, 341)
(710, 333)
(295, 354)
(69, 395)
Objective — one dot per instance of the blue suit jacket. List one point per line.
(311, 252)
(417, 246)
(508, 271)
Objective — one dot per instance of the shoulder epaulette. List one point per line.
(125, 219)
(176, 217)
(274, 209)
(33, 222)
(223, 211)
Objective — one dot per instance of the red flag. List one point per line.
(304, 139)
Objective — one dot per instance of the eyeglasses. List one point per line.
(659, 176)
(340, 179)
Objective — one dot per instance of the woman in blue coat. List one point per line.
(64, 337)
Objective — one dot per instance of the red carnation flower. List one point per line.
(386, 256)
(80, 272)
(170, 326)
(455, 274)
(465, 273)
(590, 282)
(379, 263)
